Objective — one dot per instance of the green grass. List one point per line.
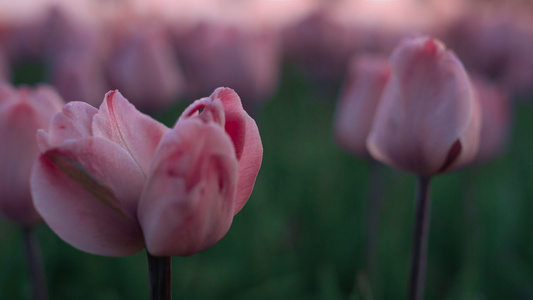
(300, 236)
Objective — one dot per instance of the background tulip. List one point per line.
(22, 112)
(77, 51)
(144, 67)
(428, 121)
(358, 101)
(496, 110)
(217, 53)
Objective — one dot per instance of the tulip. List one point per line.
(77, 51)
(358, 101)
(145, 68)
(112, 180)
(428, 121)
(354, 114)
(495, 108)
(215, 53)
(22, 112)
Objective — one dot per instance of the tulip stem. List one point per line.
(420, 239)
(159, 269)
(35, 264)
(374, 204)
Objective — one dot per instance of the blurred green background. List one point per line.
(302, 233)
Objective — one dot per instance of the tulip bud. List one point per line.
(428, 121)
(144, 67)
(359, 99)
(496, 110)
(22, 112)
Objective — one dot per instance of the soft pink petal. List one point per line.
(496, 110)
(18, 123)
(428, 107)
(74, 121)
(208, 109)
(245, 136)
(358, 102)
(119, 121)
(188, 203)
(45, 99)
(7, 94)
(144, 67)
(87, 192)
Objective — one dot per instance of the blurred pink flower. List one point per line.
(496, 110)
(321, 45)
(498, 43)
(216, 54)
(113, 180)
(78, 48)
(429, 120)
(22, 112)
(145, 68)
(358, 101)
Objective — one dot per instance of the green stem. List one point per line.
(374, 204)
(159, 269)
(420, 239)
(35, 264)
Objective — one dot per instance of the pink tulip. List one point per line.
(77, 51)
(359, 99)
(113, 180)
(215, 54)
(496, 109)
(428, 121)
(321, 45)
(144, 66)
(22, 112)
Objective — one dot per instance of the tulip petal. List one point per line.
(87, 193)
(7, 94)
(189, 199)
(45, 99)
(358, 102)
(119, 121)
(17, 155)
(248, 146)
(74, 121)
(208, 109)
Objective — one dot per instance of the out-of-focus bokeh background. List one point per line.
(303, 233)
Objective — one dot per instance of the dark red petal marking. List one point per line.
(453, 153)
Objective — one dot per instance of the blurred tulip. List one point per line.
(5, 72)
(22, 112)
(110, 180)
(428, 121)
(145, 68)
(77, 51)
(496, 41)
(359, 99)
(25, 39)
(321, 45)
(218, 54)
(496, 111)
(79, 76)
